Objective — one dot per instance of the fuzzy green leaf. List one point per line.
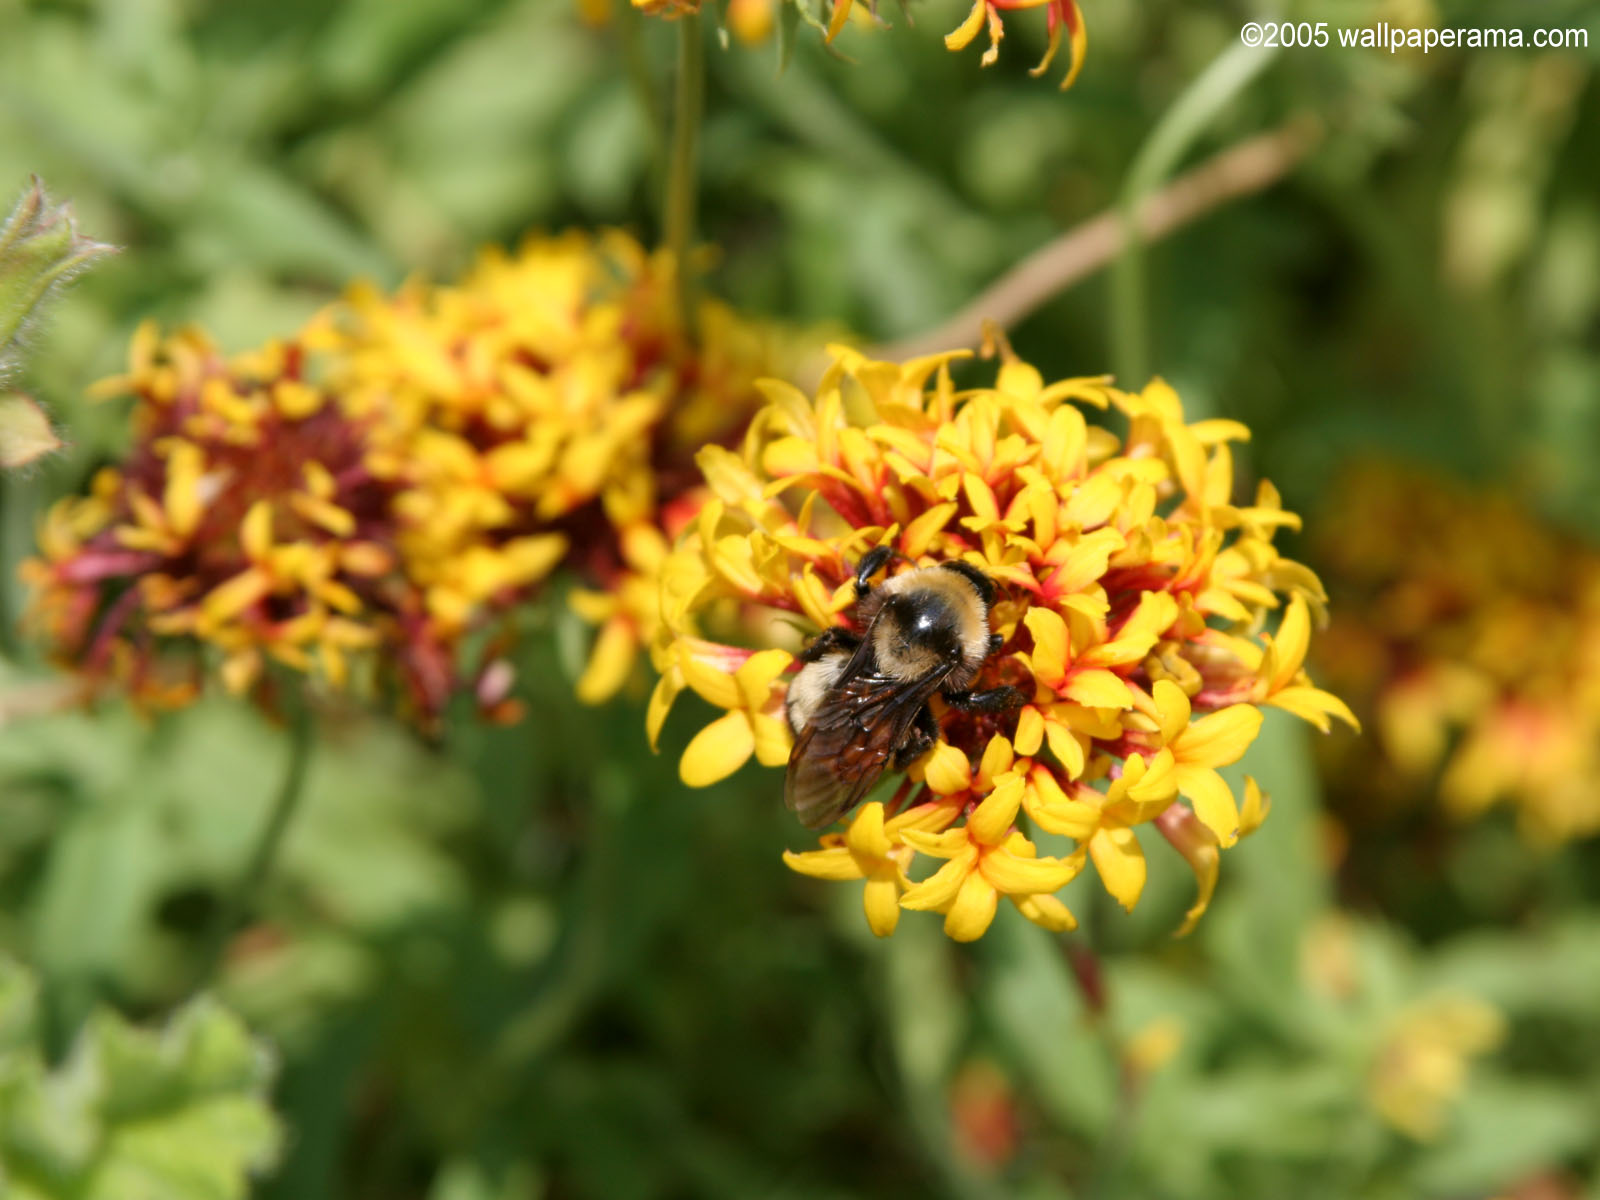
(40, 251)
(131, 1114)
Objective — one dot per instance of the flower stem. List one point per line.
(688, 96)
(235, 907)
(644, 91)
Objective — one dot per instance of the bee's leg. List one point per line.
(871, 563)
(995, 642)
(919, 739)
(994, 700)
(834, 637)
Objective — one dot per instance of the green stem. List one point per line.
(644, 91)
(1175, 133)
(235, 908)
(688, 97)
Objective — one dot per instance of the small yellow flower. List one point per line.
(876, 851)
(988, 858)
(753, 723)
(1131, 598)
(1423, 1060)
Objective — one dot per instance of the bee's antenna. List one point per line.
(871, 563)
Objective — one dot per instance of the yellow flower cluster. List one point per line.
(398, 475)
(1133, 594)
(1468, 633)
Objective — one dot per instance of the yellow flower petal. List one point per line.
(755, 678)
(866, 838)
(924, 818)
(1212, 800)
(1257, 804)
(991, 820)
(1314, 705)
(255, 531)
(1290, 645)
(1049, 632)
(1015, 875)
(1173, 705)
(938, 891)
(610, 662)
(1046, 912)
(717, 751)
(1119, 860)
(773, 740)
(661, 698)
(1030, 732)
(946, 770)
(1220, 739)
(835, 862)
(227, 600)
(711, 684)
(961, 37)
(996, 761)
(972, 911)
(183, 499)
(881, 901)
(1098, 689)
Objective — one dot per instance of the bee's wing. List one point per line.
(844, 750)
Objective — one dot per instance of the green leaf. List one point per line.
(1503, 1131)
(132, 1114)
(788, 25)
(1553, 971)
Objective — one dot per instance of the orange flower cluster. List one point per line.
(1133, 598)
(1468, 633)
(399, 476)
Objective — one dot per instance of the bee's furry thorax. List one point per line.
(922, 618)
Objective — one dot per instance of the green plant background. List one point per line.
(527, 962)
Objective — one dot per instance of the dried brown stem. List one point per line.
(1249, 167)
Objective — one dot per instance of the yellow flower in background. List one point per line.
(1422, 1063)
(401, 475)
(752, 21)
(1417, 1039)
(1468, 635)
(667, 8)
(1133, 600)
(1062, 17)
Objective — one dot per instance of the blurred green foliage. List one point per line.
(527, 962)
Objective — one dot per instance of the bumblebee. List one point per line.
(860, 704)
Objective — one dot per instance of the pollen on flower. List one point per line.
(1134, 599)
(398, 477)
